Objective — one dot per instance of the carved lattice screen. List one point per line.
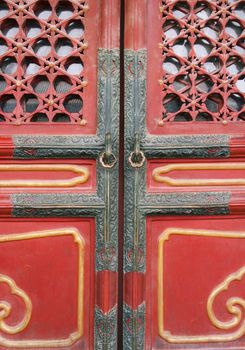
(201, 45)
(44, 62)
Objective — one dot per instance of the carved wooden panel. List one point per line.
(196, 64)
(46, 283)
(59, 117)
(48, 64)
(195, 270)
(184, 175)
(40, 175)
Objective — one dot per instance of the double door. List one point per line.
(70, 156)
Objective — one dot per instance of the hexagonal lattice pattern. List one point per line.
(203, 60)
(42, 49)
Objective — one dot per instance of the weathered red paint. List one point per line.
(236, 146)
(5, 205)
(6, 147)
(106, 294)
(133, 297)
(135, 17)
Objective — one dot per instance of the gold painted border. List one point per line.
(165, 334)
(79, 332)
(6, 308)
(78, 180)
(157, 174)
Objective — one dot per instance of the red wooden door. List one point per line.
(184, 174)
(184, 256)
(59, 110)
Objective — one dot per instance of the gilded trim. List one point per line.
(159, 171)
(79, 332)
(5, 307)
(81, 171)
(234, 305)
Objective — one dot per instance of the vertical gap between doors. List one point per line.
(121, 186)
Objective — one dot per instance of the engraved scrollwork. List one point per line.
(105, 330)
(134, 327)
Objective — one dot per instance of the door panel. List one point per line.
(184, 190)
(195, 268)
(59, 113)
(47, 281)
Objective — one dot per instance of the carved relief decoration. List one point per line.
(42, 61)
(234, 326)
(203, 69)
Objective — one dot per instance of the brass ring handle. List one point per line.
(136, 159)
(107, 160)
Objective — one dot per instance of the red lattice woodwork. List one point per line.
(198, 66)
(48, 64)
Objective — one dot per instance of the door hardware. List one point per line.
(136, 158)
(107, 158)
